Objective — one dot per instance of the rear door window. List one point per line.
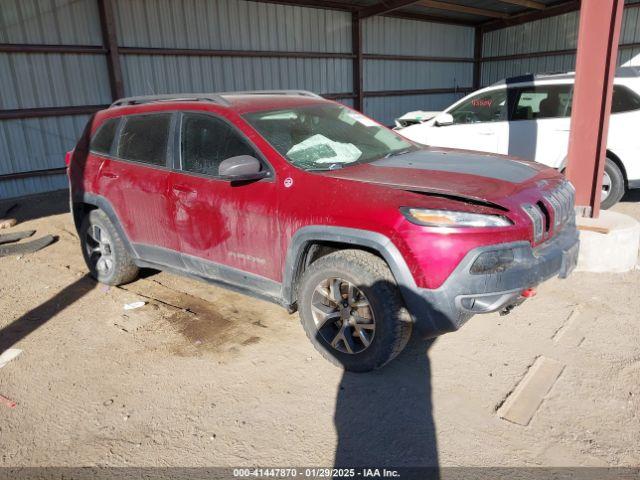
(103, 139)
(540, 102)
(624, 100)
(144, 138)
(207, 141)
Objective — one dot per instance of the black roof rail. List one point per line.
(302, 93)
(192, 97)
(216, 97)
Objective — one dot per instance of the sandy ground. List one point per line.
(204, 377)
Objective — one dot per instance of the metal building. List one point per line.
(60, 60)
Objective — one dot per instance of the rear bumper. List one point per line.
(464, 294)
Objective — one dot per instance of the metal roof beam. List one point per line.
(519, 19)
(454, 7)
(385, 6)
(526, 3)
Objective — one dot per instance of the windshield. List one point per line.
(324, 137)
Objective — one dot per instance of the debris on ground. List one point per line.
(7, 401)
(15, 236)
(8, 355)
(7, 223)
(134, 305)
(27, 247)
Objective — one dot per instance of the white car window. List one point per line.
(484, 107)
(540, 101)
(624, 100)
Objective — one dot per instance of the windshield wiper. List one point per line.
(333, 166)
(395, 154)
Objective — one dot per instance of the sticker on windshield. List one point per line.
(367, 122)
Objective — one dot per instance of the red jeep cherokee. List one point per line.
(310, 204)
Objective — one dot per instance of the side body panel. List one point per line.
(139, 196)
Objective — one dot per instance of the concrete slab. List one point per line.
(609, 243)
(523, 402)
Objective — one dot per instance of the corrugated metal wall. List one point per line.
(394, 36)
(233, 25)
(549, 34)
(46, 80)
(43, 80)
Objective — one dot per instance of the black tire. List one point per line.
(377, 287)
(616, 190)
(121, 268)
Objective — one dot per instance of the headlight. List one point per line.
(449, 218)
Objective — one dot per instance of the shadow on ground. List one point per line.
(35, 206)
(384, 418)
(37, 317)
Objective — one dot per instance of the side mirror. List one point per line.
(444, 119)
(242, 168)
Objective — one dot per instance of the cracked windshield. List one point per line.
(327, 137)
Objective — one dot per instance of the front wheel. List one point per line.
(351, 310)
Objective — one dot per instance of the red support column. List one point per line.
(597, 55)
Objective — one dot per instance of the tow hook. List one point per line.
(507, 310)
(527, 293)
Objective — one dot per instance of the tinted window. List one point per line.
(542, 101)
(103, 139)
(624, 100)
(486, 107)
(144, 138)
(207, 141)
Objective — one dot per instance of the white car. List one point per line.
(529, 117)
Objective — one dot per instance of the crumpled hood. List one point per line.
(458, 173)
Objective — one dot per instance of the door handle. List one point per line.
(486, 133)
(109, 175)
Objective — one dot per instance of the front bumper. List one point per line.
(464, 294)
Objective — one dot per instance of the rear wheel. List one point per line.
(104, 251)
(352, 311)
(612, 185)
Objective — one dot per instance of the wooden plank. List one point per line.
(594, 228)
(526, 398)
(569, 334)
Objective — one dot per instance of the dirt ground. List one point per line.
(201, 376)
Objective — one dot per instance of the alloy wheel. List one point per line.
(99, 249)
(606, 187)
(343, 316)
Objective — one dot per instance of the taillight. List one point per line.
(67, 158)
